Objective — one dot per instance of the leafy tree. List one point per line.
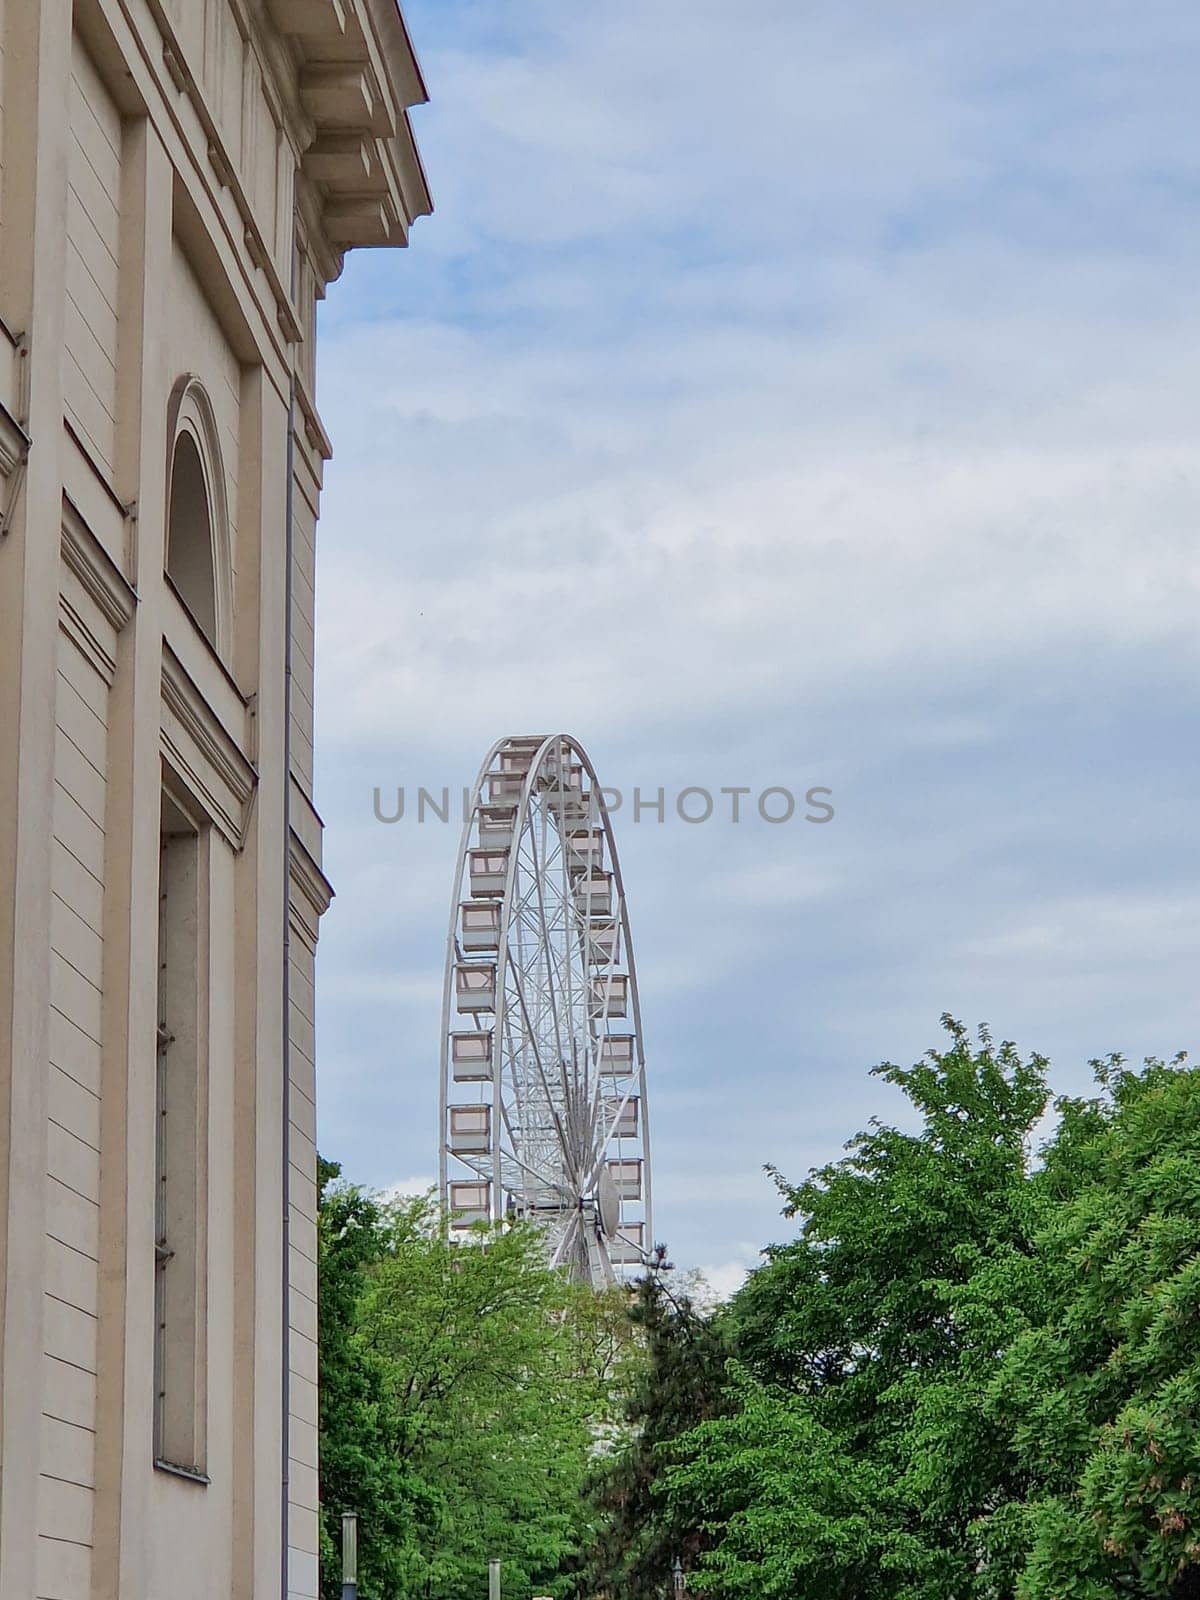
(858, 1360)
(974, 1375)
(1101, 1387)
(678, 1383)
(362, 1465)
(484, 1374)
(797, 1513)
(465, 1385)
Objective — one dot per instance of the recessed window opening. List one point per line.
(180, 1176)
(190, 564)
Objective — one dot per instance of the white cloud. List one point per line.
(408, 1188)
(724, 1280)
(779, 393)
(1097, 932)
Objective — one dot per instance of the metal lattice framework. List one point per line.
(543, 1076)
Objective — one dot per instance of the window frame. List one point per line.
(189, 1144)
(190, 413)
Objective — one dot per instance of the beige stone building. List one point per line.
(179, 180)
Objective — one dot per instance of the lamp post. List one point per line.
(493, 1580)
(349, 1555)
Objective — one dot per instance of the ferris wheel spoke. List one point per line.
(568, 1239)
(541, 1069)
(541, 903)
(546, 1179)
(619, 1107)
(565, 926)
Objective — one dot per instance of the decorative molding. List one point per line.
(204, 753)
(304, 926)
(314, 886)
(219, 162)
(324, 257)
(223, 169)
(343, 97)
(357, 77)
(359, 219)
(175, 69)
(404, 69)
(96, 570)
(254, 248)
(336, 158)
(309, 19)
(14, 442)
(86, 639)
(314, 430)
(278, 67)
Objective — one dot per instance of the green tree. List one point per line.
(677, 1383)
(862, 1374)
(1101, 1386)
(363, 1467)
(792, 1510)
(974, 1375)
(466, 1387)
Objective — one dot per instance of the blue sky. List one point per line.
(780, 394)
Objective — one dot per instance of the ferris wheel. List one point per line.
(543, 1076)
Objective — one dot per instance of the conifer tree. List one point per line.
(679, 1384)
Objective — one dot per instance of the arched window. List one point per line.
(189, 537)
(197, 544)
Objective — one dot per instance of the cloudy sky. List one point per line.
(782, 394)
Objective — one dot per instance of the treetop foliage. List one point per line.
(463, 1391)
(974, 1372)
(971, 1373)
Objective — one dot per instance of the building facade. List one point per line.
(179, 180)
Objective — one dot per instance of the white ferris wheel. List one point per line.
(543, 1077)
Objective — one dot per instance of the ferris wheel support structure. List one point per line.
(543, 1109)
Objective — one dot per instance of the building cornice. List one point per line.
(339, 76)
(357, 75)
(215, 770)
